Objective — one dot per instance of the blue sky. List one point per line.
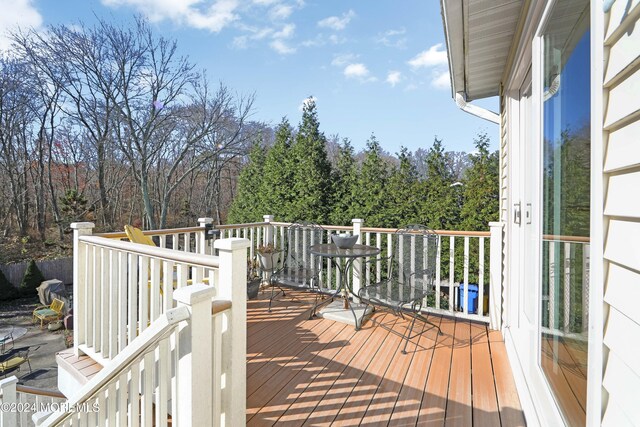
(373, 66)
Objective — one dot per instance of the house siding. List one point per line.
(621, 130)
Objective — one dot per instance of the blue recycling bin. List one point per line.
(472, 297)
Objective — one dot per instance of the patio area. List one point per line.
(319, 372)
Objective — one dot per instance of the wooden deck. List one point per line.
(319, 372)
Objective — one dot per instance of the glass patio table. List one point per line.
(344, 259)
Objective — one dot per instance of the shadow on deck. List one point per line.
(319, 372)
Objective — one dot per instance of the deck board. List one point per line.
(318, 372)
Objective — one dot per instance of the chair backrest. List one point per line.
(413, 257)
(135, 235)
(57, 305)
(299, 237)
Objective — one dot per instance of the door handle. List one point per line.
(517, 213)
(527, 213)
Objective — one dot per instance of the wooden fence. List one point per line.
(61, 269)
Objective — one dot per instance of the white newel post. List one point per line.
(8, 395)
(357, 263)
(202, 241)
(233, 287)
(195, 371)
(495, 275)
(79, 281)
(268, 230)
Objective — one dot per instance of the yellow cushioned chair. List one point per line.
(49, 313)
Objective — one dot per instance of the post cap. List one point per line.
(231, 244)
(82, 225)
(357, 220)
(190, 295)
(205, 220)
(496, 224)
(267, 218)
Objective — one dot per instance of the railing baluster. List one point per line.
(481, 306)
(132, 315)
(452, 260)
(154, 300)
(88, 293)
(552, 286)
(168, 280)
(566, 324)
(123, 302)
(123, 396)
(465, 302)
(114, 308)
(438, 256)
(143, 315)
(379, 258)
(134, 394)
(104, 300)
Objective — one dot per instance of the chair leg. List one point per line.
(271, 299)
(406, 341)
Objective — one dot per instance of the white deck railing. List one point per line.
(123, 289)
(19, 402)
(463, 257)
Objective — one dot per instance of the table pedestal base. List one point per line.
(336, 311)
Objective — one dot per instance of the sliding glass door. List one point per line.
(566, 152)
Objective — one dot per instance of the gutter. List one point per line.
(474, 110)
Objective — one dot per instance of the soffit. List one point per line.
(479, 36)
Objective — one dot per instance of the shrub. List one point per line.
(31, 280)
(7, 290)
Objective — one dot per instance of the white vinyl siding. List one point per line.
(621, 374)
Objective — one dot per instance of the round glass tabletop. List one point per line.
(332, 251)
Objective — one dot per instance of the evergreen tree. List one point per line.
(31, 280)
(438, 208)
(278, 175)
(312, 170)
(247, 206)
(480, 191)
(371, 192)
(7, 290)
(345, 178)
(402, 192)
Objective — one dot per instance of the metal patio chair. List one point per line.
(295, 267)
(408, 275)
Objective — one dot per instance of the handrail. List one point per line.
(461, 233)
(570, 239)
(162, 232)
(218, 306)
(208, 261)
(157, 330)
(39, 391)
(244, 225)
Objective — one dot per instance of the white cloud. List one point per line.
(281, 47)
(17, 14)
(265, 2)
(434, 56)
(337, 23)
(212, 16)
(393, 38)
(441, 80)
(358, 71)
(394, 77)
(343, 59)
(286, 32)
(280, 12)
